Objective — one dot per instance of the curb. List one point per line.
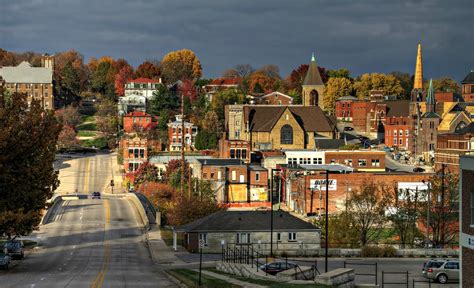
(47, 216)
(174, 280)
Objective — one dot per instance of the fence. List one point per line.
(422, 281)
(395, 283)
(247, 254)
(374, 274)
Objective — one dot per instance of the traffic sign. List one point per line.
(201, 243)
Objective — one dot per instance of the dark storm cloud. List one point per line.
(364, 36)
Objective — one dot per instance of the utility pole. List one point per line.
(443, 215)
(182, 145)
(327, 222)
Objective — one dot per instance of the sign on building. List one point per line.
(412, 188)
(258, 194)
(320, 184)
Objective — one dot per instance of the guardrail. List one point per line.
(140, 209)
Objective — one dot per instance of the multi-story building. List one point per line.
(468, 87)
(451, 146)
(399, 132)
(36, 82)
(137, 121)
(344, 108)
(466, 220)
(175, 133)
(235, 183)
(142, 87)
(220, 84)
(274, 98)
(136, 151)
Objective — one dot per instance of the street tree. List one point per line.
(27, 175)
(366, 206)
(335, 88)
(179, 65)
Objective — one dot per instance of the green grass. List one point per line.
(267, 283)
(190, 279)
(86, 133)
(87, 118)
(87, 126)
(99, 143)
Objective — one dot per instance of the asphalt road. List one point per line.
(91, 243)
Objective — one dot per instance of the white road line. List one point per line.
(42, 278)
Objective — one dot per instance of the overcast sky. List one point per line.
(361, 35)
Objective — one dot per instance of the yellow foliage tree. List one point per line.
(377, 81)
(179, 65)
(335, 88)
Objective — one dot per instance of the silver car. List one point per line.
(441, 270)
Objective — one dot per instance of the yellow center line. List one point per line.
(99, 279)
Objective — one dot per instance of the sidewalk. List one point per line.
(116, 174)
(229, 279)
(161, 254)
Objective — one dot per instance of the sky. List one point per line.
(362, 35)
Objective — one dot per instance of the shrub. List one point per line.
(389, 251)
(376, 251)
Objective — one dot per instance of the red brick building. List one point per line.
(137, 121)
(221, 84)
(274, 98)
(449, 148)
(234, 149)
(447, 97)
(300, 195)
(367, 161)
(399, 132)
(136, 150)
(466, 217)
(344, 108)
(175, 133)
(368, 114)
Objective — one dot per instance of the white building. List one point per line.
(142, 87)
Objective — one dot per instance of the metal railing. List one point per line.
(395, 283)
(374, 274)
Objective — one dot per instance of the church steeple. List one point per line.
(418, 81)
(313, 86)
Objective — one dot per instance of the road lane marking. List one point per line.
(99, 279)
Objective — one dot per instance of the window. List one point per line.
(244, 153)
(130, 167)
(232, 153)
(401, 132)
(333, 161)
(219, 175)
(204, 175)
(401, 141)
(317, 160)
(472, 208)
(406, 132)
(348, 162)
(293, 161)
(142, 153)
(212, 175)
(451, 265)
(135, 153)
(237, 123)
(242, 178)
(174, 130)
(237, 133)
(243, 238)
(238, 153)
(375, 163)
(292, 237)
(46, 94)
(234, 175)
(362, 162)
(130, 152)
(203, 238)
(257, 176)
(395, 132)
(286, 135)
(278, 237)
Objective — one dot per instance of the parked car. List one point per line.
(441, 270)
(4, 261)
(418, 169)
(95, 195)
(14, 249)
(347, 128)
(277, 267)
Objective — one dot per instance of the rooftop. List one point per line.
(469, 79)
(220, 162)
(246, 221)
(25, 73)
(225, 81)
(144, 80)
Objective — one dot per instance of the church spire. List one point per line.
(418, 84)
(313, 59)
(430, 99)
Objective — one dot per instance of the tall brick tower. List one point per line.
(313, 86)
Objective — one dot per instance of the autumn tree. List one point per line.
(186, 210)
(67, 137)
(296, 78)
(75, 74)
(406, 81)
(148, 70)
(146, 172)
(179, 65)
(69, 116)
(367, 209)
(259, 82)
(27, 175)
(240, 71)
(121, 78)
(445, 84)
(342, 231)
(107, 120)
(225, 97)
(335, 88)
(377, 81)
(339, 73)
(188, 90)
(7, 58)
(173, 172)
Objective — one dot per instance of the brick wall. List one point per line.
(467, 253)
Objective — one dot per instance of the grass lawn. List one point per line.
(267, 283)
(99, 143)
(191, 278)
(87, 126)
(86, 133)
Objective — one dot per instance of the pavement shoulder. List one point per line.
(160, 253)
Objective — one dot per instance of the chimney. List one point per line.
(47, 61)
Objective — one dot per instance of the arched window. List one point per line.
(313, 98)
(286, 135)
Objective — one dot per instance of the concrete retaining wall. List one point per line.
(141, 211)
(50, 212)
(333, 252)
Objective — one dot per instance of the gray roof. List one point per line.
(232, 221)
(257, 168)
(469, 79)
(220, 162)
(430, 115)
(312, 76)
(336, 168)
(161, 159)
(349, 97)
(329, 143)
(24, 73)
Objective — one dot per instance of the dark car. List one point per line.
(277, 267)
(347, 128)
(418, 169)
(14, 249)
(4, 261)
(95, 195)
